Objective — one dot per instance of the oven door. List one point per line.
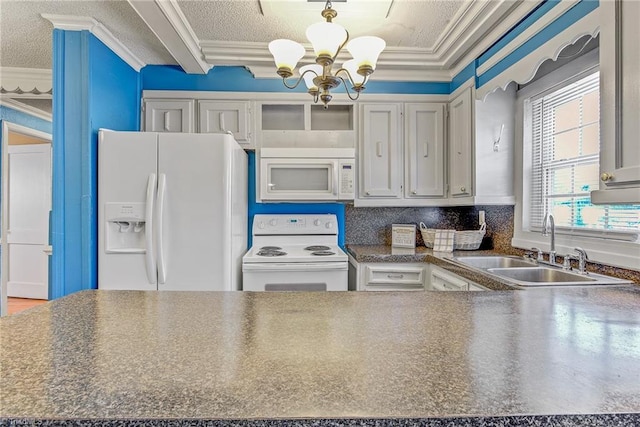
(298, 179)
(329, 276)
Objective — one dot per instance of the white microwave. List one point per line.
(307, 174)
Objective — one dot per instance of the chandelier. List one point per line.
(328, 39)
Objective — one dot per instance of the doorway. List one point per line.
(26, 203)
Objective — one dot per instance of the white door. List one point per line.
(28, 202)
(193, 206)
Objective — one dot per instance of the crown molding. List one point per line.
(533, 29)
(27, 109)
(524, 70)
(521, 10)
(80, 23)
(171, 27)
(395, 63)
(26, 82)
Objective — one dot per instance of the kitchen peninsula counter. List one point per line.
(546, 357)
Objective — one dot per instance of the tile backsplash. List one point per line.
(372, 226)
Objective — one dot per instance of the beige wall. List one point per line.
(20, 139)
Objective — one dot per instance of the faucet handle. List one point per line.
(539, 253)
(566, 264)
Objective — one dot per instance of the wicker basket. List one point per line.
(462, 240)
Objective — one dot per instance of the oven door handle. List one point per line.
(297, 266)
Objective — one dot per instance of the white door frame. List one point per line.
(6, 128)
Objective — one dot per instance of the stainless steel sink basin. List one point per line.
(549, 276)
(540, 274)
(486, 262)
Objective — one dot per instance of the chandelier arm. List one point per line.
(348, 75)
(341, 46)
(346, 87)
(297, 83)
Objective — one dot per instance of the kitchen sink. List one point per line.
(486, 262)
(525, 273)
(550, 276)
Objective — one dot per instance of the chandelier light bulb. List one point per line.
(286, 53)
(326, 38)
(365, 50)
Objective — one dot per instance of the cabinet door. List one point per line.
(169, 115)
(620, 100)
(461, 145)
(393, 277)
(223, 116)
(381, 151)
(424, 150)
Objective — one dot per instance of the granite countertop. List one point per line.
(550, 357)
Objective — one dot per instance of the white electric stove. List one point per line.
(295, 253)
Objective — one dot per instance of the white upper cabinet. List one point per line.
(171, 115)
(620, 103)
(424, 150)
(282, 124)
(481, 140)
(226, 116)
(461, 143)
(380, 152)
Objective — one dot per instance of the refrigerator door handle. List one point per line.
(150, 259)
(162, 189)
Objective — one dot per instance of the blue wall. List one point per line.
(93, 88)
(239, 79)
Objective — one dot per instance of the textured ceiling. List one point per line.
(25, 37)
(410, 23)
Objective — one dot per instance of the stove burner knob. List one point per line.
(273, 222)
(261, 225)
(316, 222)
(329, 225)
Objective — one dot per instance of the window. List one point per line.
(565, 143)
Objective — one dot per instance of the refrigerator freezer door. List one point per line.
(195, 225)
(127, 162)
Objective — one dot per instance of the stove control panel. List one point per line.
(294, 224)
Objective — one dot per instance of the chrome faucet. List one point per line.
(549, 228)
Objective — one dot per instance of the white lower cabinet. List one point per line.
(443, 280)
(382, 276)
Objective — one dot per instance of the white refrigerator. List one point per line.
(172, 211)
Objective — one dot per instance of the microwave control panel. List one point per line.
(347, 178)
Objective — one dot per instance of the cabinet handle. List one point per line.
(368, 193)
(414, 192)
(166, 121)
(606, 176)
(425, 148)
(395, 276)
(379, 149)
(463, 189)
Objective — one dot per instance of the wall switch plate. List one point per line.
(481, 217)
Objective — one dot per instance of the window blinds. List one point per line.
(565, 155)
